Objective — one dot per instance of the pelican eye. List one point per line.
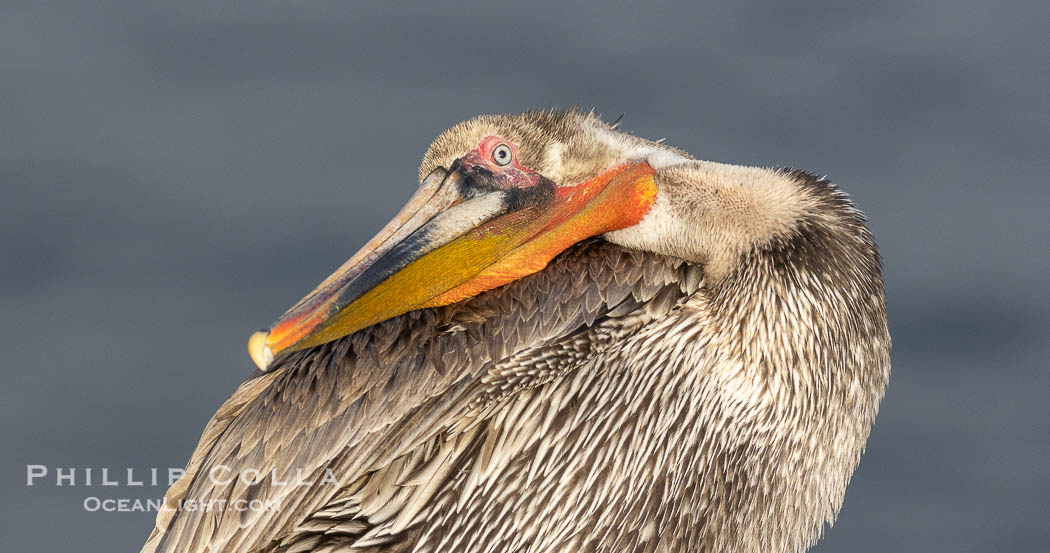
(502, 155)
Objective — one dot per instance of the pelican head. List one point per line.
(499, 197)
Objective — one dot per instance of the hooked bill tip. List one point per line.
(260, 353)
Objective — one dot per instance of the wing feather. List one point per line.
(367, 410)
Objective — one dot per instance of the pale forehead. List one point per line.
(531, 132)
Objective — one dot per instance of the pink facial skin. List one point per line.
(512, 175)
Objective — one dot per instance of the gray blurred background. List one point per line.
(174, 176)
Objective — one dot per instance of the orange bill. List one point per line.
(460, 235)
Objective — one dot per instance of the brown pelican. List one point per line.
(570, 339)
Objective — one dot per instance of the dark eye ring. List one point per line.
(502, 155)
